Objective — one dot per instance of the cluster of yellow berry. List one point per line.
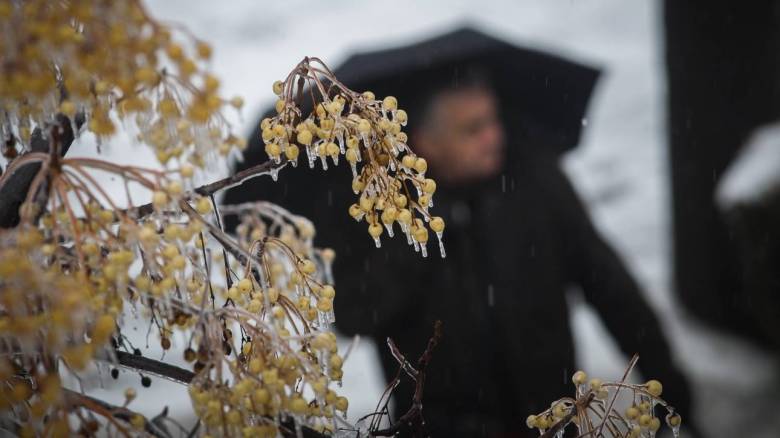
(111, 63)
(593, 410)
(286, 357)
(388, 177)
(46, 317)
(81, 258)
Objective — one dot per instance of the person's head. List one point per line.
(460, 133)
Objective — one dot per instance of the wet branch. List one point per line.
(106, 409)
(236, 179)
(413, 418)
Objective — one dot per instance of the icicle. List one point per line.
(353, 166)
(340, 138)
(310, 156)
(440, 236)
(274, 173)
(392, 165)
(298, 429)
(393, 149)
(336, 160)
(676, 431)
(416, 246)
(405, 229)
(389, 228)
(423, 249)
(377, 242)
(294, 163)
(324, 162)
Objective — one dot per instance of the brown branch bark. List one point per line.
(413, 418)
(152, 366)
(122, 413)
(144, 210)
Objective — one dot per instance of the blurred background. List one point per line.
(620, 167)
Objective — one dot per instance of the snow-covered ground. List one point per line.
(620, 167)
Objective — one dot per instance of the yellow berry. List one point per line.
(68, 108)
(579, 377)
(328, 291)
(429, 186)
(237, 102)
(654, 387)
(420, 165)
(375, 230)
(308, 267)
(352, 155)
(273, 150)
(298, 405)
(291, 152)
(203, 206)
(304, 137)
(159, 199)
(437, 224)
(342, 404)
(204, 50)
(278, 88)
(401, 117)
(421, 234)
(245, 285)
(390, 103)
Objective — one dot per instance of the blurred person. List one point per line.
(492, 120)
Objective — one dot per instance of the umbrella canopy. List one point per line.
(543, 97)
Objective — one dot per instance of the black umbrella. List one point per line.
(544, 97)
